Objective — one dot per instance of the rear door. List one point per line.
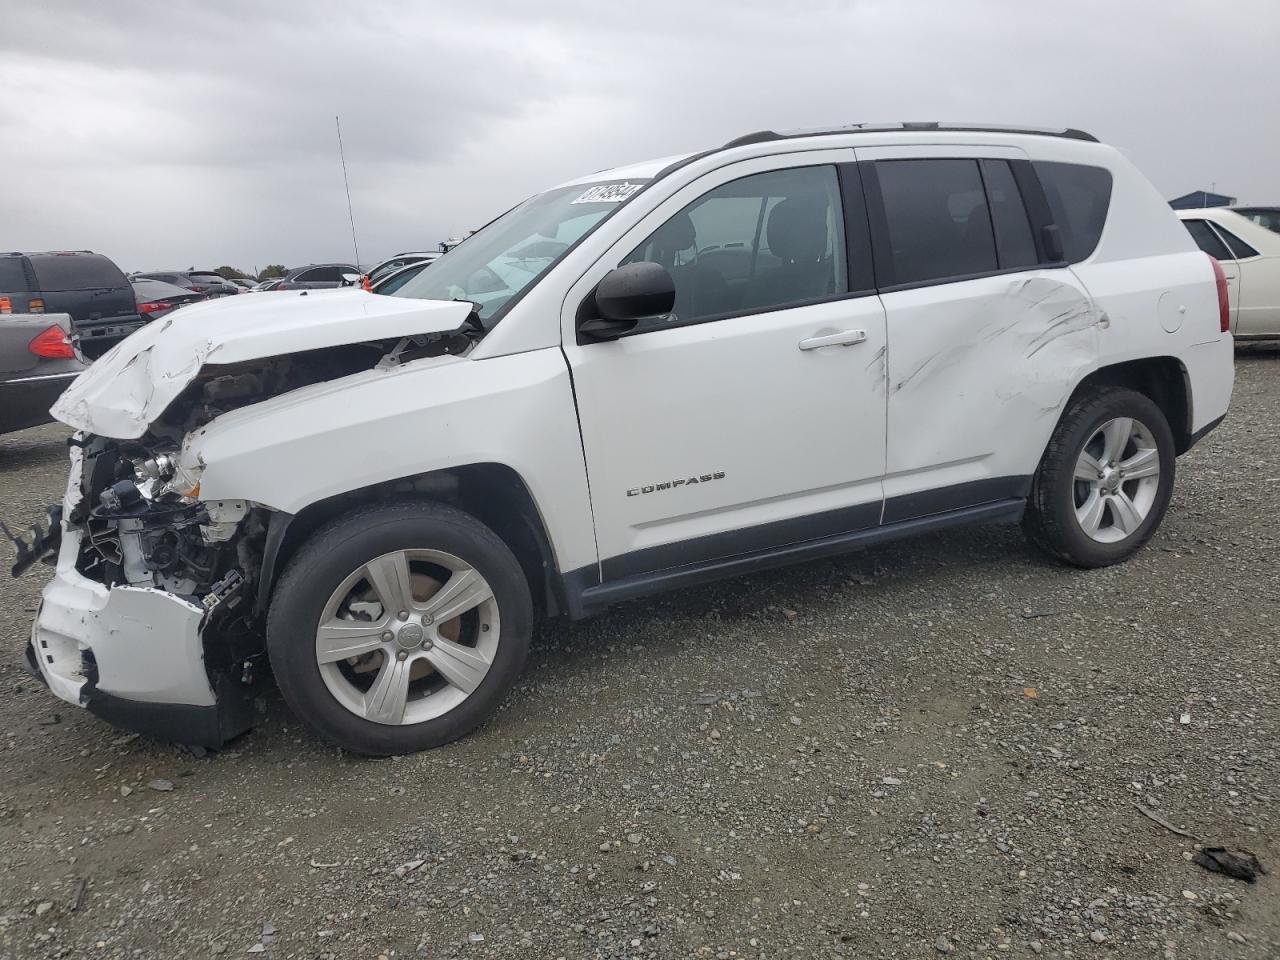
(984, 341)
(1210, 241)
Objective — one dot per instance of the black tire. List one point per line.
(342, 546)
(1050, 519)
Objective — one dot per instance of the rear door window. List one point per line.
(1079, 197)
(1207, 240)
(938, 223)
(57, 272)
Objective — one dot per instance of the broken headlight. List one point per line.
(163, 473)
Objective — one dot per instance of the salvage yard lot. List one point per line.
(924, 749)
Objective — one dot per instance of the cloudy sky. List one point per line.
(172, 134)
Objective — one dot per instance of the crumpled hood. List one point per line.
(131, 385)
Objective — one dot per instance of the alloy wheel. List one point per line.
(1117, 478)
(408, 636)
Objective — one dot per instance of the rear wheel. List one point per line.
(1105, 480)
(399, 627)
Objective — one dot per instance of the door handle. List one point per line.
(845, 338)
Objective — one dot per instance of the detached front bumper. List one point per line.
(132, 655)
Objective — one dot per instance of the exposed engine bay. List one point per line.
(143, 522)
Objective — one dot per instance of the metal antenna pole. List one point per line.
(350, 215)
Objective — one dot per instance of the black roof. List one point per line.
(1198, 199)
(764, 136)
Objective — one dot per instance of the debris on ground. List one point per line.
(77, 899)
(1156, 818)
(160, 784)
(1239, 866)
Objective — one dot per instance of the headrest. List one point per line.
(797, 229)
(676, 234)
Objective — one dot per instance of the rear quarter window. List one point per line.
(1239, 249)
(1079, 197)
(12, 279)
(76, 273)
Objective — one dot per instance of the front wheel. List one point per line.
(1105, 480)
(399, 627)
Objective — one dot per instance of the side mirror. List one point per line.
(350, 279)
(624, 297)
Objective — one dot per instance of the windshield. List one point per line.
(494, 265)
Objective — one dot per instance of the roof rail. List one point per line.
(765, 136)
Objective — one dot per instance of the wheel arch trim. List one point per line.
(492, 492)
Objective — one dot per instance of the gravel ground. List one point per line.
(932, 748)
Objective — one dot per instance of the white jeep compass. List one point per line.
(784, 348)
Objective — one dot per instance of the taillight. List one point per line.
(6, 305)
(53, 343)
(35, 305)
(154, 306)
(199, 289)
(1224, 305)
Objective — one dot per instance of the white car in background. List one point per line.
(1250, 257)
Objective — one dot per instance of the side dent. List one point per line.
(425, 416)
(979, 372)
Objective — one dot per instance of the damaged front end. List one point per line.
(154, 617)
(148, 620)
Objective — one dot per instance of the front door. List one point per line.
(753, 415)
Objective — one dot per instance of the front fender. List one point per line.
(294, 450)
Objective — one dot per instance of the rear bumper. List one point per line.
(1204, 431)
(1210, 371)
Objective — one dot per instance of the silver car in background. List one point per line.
(37, 362)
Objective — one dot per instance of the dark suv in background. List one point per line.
(86, 286)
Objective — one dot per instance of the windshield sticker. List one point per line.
(609, 193)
